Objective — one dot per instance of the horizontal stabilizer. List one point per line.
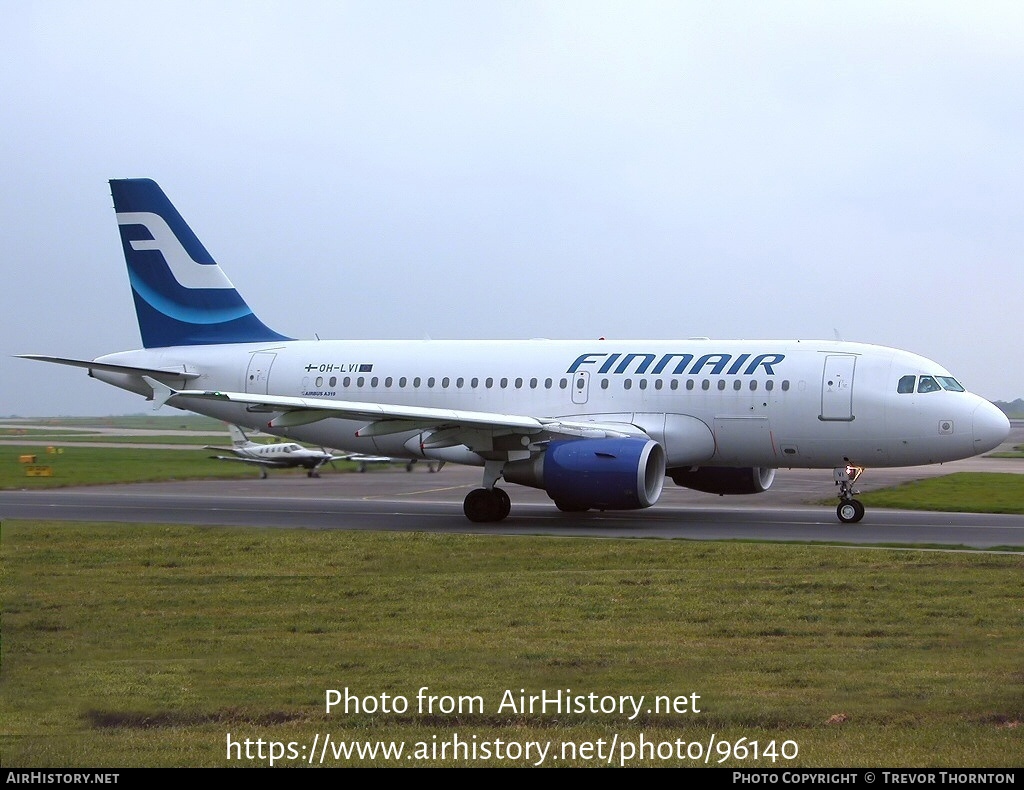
(129, 369)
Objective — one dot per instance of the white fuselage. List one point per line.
(280, 454)
(734, 403)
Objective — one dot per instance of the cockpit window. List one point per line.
(928, 384)
(906, 384)
(951, 384)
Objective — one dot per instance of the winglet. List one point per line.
(161, 392)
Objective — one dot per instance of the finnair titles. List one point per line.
(716, 364)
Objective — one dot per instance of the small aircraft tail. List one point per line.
(182, 297)
(238, 437)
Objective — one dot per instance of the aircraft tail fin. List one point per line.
(238, 437)
(182, 297)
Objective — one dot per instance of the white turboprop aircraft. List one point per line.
(595, 424)
(286, 455)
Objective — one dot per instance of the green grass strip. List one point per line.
(147, 645)
(962, 492)
(75, 466)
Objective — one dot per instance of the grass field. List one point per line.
(104, 465)
(963, 492)
(100, 465)
(147, 645)
(157, 422)
(61, 438)
(1017, 452)
(188, 428)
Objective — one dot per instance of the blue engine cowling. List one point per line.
(724, 480)
(607, 474)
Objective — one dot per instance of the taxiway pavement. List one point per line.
(393, 500)
(796, 508)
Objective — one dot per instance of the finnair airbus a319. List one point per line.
(597, 424)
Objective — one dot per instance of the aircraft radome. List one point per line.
(595, 423)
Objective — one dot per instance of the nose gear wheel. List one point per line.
(850, 510)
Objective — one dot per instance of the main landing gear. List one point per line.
(850, 510)
(488, 504)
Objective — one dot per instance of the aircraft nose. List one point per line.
(990, 427)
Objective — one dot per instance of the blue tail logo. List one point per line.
(182, 297)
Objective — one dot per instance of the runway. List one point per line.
(392, 500)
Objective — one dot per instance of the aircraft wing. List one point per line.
(383, 418)
(371, 459)
(257, 461)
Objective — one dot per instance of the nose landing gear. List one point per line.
(850, 510)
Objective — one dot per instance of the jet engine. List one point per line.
(723, 480)
(607, 474)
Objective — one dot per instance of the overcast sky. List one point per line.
(522, 169)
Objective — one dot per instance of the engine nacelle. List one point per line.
(608, 474)
(723, 480)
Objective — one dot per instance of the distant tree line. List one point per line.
(1011, 409)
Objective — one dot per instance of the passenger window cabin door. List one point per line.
(837, 388)
(257, 377)
(580, 387)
